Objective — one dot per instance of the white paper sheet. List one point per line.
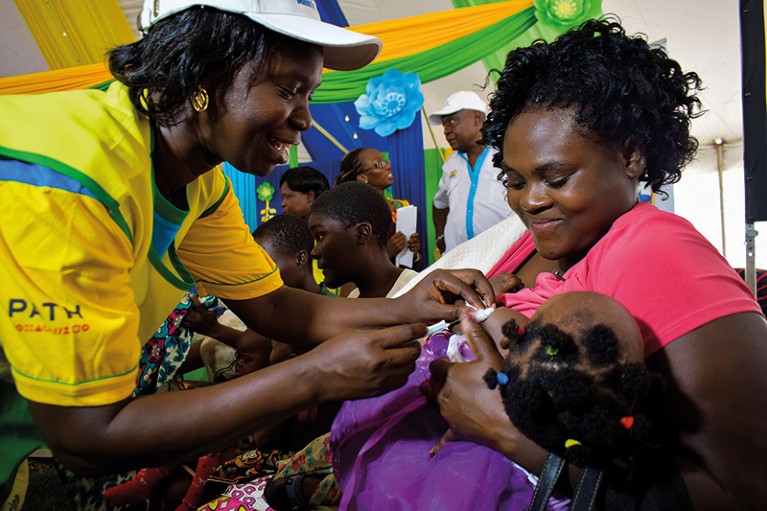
(406, 218)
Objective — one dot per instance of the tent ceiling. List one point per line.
(703, 35)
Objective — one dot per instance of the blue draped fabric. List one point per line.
(405, 148)
(407, 160)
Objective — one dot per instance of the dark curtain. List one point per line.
(754, 108)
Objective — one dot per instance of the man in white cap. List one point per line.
(469, 199)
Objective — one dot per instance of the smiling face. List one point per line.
(253, 127)
(295, 203)
(334, 249)
(566, 188)
(380, 178)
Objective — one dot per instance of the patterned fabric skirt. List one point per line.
(161, 358)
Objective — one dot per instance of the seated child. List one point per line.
(288, 242)
(351, 224)
(225, 340)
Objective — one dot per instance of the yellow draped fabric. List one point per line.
(75, 32)
(401, 37)
(406, 36)
(80, 77)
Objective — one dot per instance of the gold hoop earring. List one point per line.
(200, 99)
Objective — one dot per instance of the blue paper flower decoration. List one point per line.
(390, 102)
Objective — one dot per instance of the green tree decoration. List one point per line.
(265, 192)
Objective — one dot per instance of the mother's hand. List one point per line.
(434, 297)
(473, 411)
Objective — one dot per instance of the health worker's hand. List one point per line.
(442, 294)
(366, 363)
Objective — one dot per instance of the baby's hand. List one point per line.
(494, 325)
(449, 436)
(505, 283)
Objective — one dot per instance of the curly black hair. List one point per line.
(578, 400)
(196, 47)
(350, 166)
(625, 93)
(354, 202)
(288, 233)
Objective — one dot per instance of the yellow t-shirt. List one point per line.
(92, 257)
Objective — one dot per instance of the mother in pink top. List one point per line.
(579, 124)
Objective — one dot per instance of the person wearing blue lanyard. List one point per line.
(469, 199)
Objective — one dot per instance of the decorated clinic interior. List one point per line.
(60, 45)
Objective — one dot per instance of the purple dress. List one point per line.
(381, 455)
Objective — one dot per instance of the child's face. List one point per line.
(334, 250)
(286, 262)
(246, 364)
(282, 351)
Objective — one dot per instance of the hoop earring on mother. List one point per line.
(200, 99)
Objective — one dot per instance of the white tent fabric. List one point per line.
(703, 35)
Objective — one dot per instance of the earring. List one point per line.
(200, 99)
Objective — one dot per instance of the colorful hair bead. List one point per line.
(502, 378)
(571, 443)
(627, 422)
(551, 350)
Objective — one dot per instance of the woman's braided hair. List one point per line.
(350, 166)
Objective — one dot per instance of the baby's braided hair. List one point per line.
(577, 401)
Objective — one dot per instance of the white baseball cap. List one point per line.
(344, 49)
(461, 100)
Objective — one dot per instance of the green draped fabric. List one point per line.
(547, 32)
(431, 64)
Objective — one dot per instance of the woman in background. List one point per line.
(368, 165)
